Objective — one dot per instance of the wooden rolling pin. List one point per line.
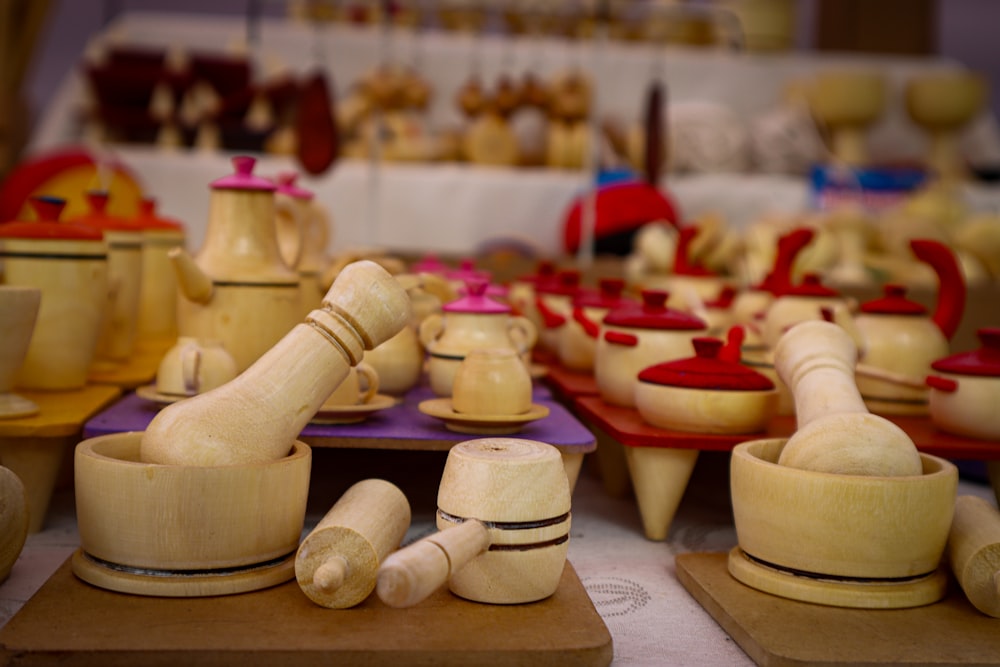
(256, 417)
(503, 511)
(337, 563)
(974, 552)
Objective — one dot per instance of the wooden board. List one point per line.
(778, 632)
(140, 369)
(73, 623)
(61, 413)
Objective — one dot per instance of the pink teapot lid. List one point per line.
(706, 370)
(652, 313)
(47, 226)
(429, 264)
(243, 178)
(287, 186)
(893, 302)
(466, 270)
(983, 361)
(475, 300)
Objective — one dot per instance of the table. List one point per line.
(34, 447)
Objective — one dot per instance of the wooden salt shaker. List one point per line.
(337, 562)
(256, 417)
(504, 519)
(974, 552)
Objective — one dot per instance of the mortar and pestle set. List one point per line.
(211, 498)
(846, 512)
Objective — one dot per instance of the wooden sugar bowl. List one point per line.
(847, 497)
(965, 389)
(472, 322)
(186, 530)
(504, 520)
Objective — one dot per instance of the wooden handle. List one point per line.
(410, 575)
(974, 552)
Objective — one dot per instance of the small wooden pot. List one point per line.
(880, 529)
(183, 531)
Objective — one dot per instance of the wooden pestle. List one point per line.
(337, 563)
(504, 520)
(974, 552)
(835, 433)
(256, 417)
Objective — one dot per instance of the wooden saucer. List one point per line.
(351, 414)
(12, 405)
(459, 422)
(829, 590)
(149, 393)
(188, 583)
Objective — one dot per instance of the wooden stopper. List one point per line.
(835, 432)
(337, 563)
(974, 552)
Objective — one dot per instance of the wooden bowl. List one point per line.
(840, 525)
(179, 530)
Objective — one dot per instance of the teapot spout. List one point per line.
(194, 284)
(951, 291)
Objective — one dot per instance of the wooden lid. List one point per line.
(475, 300)
(652, 313)
(148, 219)
(983, 361)
(706, 370)
(811, 287)
(893, 302)
(242, 178)
(47, 226)
(564, 283)
(607, 295)
(99, 217)
(287, 186)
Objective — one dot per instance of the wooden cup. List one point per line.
(492, 381)
(354, 391)
(193, 366)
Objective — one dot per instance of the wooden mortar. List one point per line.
(256, 417)
(835, 432)
(337, 563)
(504, 519)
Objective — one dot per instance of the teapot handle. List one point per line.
(190, 368)
(519, 324)
(430, 329)
(591, 328)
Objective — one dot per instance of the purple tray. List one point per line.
(401, 426)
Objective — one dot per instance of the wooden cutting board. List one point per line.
(778, 632)
(72, 623)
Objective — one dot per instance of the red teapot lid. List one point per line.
(242, 178)
(811, 286)
(99, 217)
(287, 186)
(147, 218)
(545, 271)
(984, 361)
(47, 226)
(706, 370)
(893, 302)
(565, 283)
(652, 313)
(607, 295)
(475, 300)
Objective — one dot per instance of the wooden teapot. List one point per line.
(237, 288)
(471, 322)
(69, 263)
(554, 303)
(965, 389)
(899, 341)
(578, 337)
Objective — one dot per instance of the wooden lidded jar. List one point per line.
(238, 289)
(124, 241)
(637, 336)
(518, 489)
(68, 262)
(471, 322)
(157, 323)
